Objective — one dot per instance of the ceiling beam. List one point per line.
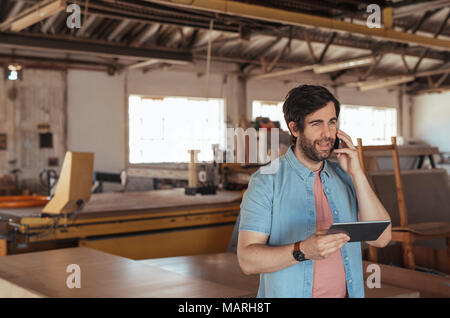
(262, 52)
(35, 14)
(15, 10)
(96, 48)
(417, 6)
(84, 26)
(441, 80)
(152, 62)
(50, 21)
(393, 80)
(20, 58)
(283, 73)
(327, 46)
(320, 68)
(427, 15)
(118, 29)
(301, 19)
(430, 91)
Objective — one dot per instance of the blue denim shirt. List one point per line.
(282, 206)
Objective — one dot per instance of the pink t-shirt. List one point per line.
(329, 274)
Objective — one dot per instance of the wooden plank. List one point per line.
(427, 284)
(389, 291)
(436, 171)
(102, 275)
(404, 151)
(223, 268)
(3, 247)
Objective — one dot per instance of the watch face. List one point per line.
(299, 256)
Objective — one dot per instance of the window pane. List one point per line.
(164, 129)
(374, 125)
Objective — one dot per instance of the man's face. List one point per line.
(319, 134)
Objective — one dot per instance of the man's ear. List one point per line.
(293, 128)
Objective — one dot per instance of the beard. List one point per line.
(308, 147)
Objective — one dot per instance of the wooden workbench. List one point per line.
(43, 274)
(130, 224)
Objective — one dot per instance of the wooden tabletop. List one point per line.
(43, 274)
(223, 268)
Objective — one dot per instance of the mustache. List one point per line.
(330, 140)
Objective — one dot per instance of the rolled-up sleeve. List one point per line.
(256, 206)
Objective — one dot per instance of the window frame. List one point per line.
(378, 107)
(161, 165)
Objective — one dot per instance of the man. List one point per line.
(285, 215)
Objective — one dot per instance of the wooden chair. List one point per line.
(406, 233)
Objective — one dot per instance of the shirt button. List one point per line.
(346, 258)
(328, 190)
(336, 212)
(350, 281)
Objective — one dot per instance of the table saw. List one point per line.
(137, 225)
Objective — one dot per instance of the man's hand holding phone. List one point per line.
(347, 154)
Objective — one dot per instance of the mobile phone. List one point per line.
(336, 143)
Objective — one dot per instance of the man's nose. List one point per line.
(327, 132)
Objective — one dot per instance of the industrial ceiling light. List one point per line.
(343, 65)
(14, 72)
(368, 85)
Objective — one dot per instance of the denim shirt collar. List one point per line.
(302, 170)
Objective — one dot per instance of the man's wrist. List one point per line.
(301, 249)
(356, 174)
(297, 252)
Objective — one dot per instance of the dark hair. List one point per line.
(304, 100)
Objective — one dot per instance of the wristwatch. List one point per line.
(298, 255)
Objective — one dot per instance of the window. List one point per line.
(164, 129)
(272, 110)
(374, 125)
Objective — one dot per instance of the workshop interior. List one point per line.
(130, 129)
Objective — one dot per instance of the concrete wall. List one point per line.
(431, 119)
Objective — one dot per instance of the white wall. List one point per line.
(431, 119)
